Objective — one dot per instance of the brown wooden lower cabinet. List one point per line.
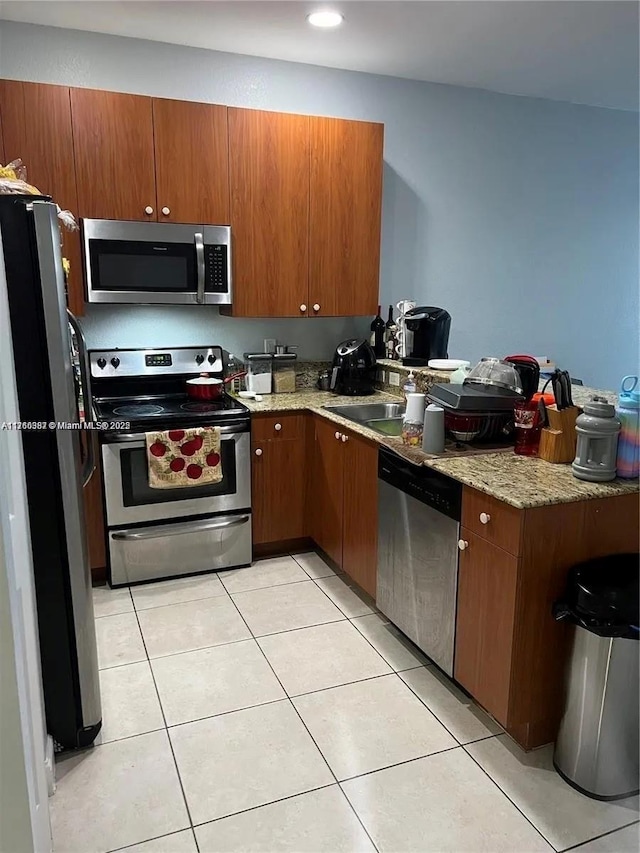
(94, 522)
(312, 479)
(278, 484)
(326, 493)
(510, 652)
(360, 512)
(487, 580)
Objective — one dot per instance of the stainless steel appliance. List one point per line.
(427, 335)
(157, 262)
(55, 469)
(418, 531)
(597, 746)
(354, 369)
(160, 533)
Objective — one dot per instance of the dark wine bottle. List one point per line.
(390, 322)
(377, 335)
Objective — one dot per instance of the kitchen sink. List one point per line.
(385, 418)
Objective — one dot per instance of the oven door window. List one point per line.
(141, 267)
(135, 479)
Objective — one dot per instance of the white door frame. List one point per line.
(26, 736)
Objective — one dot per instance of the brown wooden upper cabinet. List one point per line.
(345, 207)
(306, 195)
(192, 162)
(36, 120)
(149, 159)
(113, 143)
(269, 181)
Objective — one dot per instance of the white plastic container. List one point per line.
(259, 372)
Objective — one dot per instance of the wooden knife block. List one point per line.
(558, 440)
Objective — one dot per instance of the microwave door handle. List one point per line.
(199, 241)
(89, 462)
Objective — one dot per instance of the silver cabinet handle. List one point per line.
(316, 307)
(345, 437)
(303, 308)
(179, 529)
(462, 544)
(166, 211)
(485, 518)
(277, 427)
(337, 436)
(258, 452)
(199, 241)
(148, 209)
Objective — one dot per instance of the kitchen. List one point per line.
(487, 210)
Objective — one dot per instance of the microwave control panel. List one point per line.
(216, 269)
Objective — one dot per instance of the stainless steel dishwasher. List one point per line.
(418, 531)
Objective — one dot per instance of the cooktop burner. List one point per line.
(138, 410)
(201, 407)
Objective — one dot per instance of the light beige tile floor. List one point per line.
(239, 717)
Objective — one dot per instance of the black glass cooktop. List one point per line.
(173, 408)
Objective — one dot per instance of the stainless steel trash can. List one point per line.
(598, 745)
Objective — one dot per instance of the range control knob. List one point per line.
(102, 363)
(115, 361)
(199, 359)
(211, 358)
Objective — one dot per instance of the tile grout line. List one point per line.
(598, 837)
(155, 838)
(320, 752)
(399, 764)
(443, 724)
(166, 728)
(515, 805)
(335, 604)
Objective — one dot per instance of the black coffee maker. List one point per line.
(354, 368)
(428, 334)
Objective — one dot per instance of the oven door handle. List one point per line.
(200, 266)
(179, 529)
(139, 437)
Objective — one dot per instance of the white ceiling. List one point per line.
(584, 51)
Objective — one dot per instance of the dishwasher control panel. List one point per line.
(424, 484)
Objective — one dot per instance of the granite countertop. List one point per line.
(520, 481)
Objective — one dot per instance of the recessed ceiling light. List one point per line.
(325, 19)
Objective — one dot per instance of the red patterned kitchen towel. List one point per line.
(184, 457)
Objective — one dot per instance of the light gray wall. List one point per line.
(518, 215)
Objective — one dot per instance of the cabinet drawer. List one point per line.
(493, 520)
(281, 426)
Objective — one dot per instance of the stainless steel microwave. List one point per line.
(157, 262)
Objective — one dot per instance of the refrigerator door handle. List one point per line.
(90, 462)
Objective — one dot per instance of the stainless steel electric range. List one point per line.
(161, 533)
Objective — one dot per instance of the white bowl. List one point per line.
(447, 363)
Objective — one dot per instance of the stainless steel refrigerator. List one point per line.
(56, 469)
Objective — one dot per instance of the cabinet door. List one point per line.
(326, 498)
(113, 144)
(37, 128)
(269, 182)
(94, 523)
(192, 162)
(278, 490)
(345, 205)
(360, 527)
(487, 581)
